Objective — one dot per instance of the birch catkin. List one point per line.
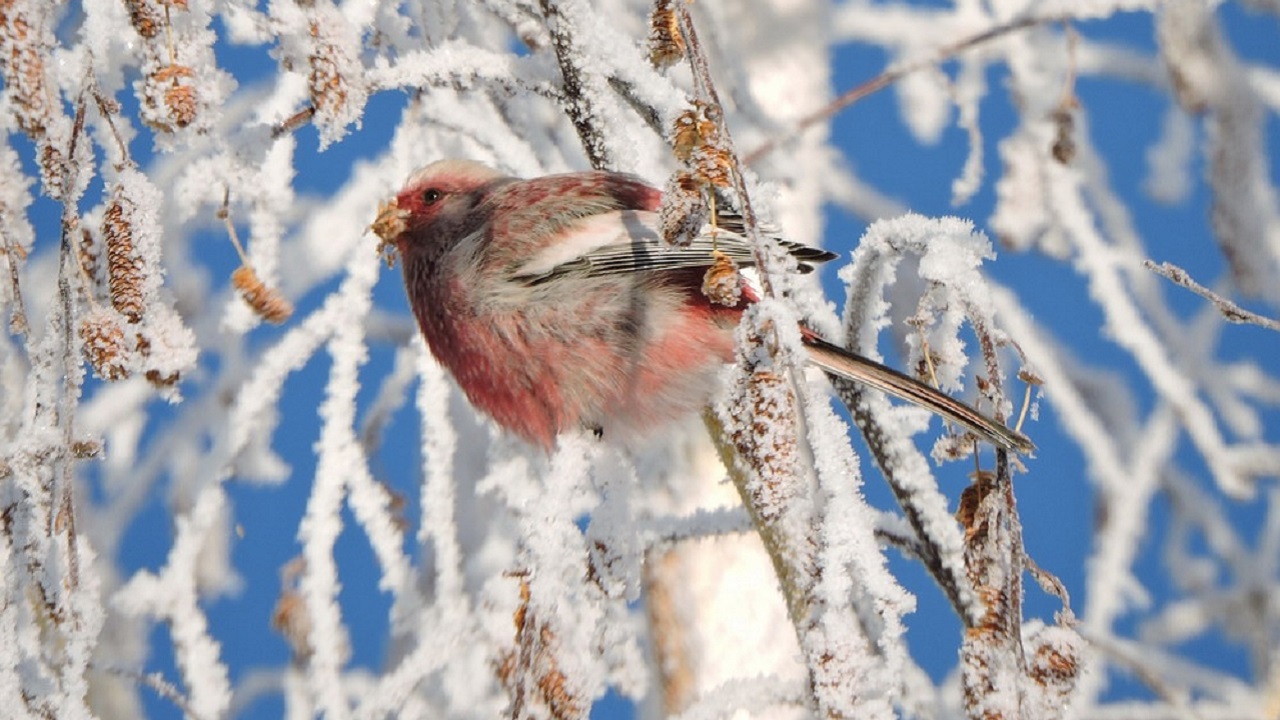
(124, 266)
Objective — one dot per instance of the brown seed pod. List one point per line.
(714, 165)
(87, 252)
(531, 671)
(172, 72)
(53, 166)
(266, 301)
(182, 103)
(27, 42)
(1029, 376)
(86, 448)
(104, 345)
(666, 42)
(290, 617)
(768, 441)
(124, 266)
(144, 17)
(25, 48)
(142, 345)
(325, 83)
(684, 135)
(174, 84)
(1064, 143)
(694, 128)
(684, 209)
(971, 499)
(722, 283)
(335, 83)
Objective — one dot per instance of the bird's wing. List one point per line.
(628, 241)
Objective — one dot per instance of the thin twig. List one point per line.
(577, 104)
(627, 91)
(293, 122)
(663, 533)
(704, 88)
(892, 75)
(62, 497)
(909, 544)
(157, 683)
(886, 457)
(1230, 311)
(14, 253)
(108, 107)
(1051, 584)
(1124, 655)
(224, 214)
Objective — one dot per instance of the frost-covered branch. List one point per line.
(207, 514)
(1230, 311)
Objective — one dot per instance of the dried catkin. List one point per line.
(666, 42)
(104, 344)
(25, 45)
(181, 101)
(26, 41)
(335, 74)
(145, 17)
(684, 209)
(87, 253)
(722, 284)
(124, 266)
(266, 301)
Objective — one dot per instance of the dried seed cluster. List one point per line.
(689, 198)
(706, 163)
(26, 39)
(266, 301)
(145, 17)
(129, 331)
(124, 265)
(290, 617)
(327, 86)
(531, 673)
(104, 344)
(24, 69)
(388, 226)
(87, 255)
(168, 90)
(723, 283)
(698, 143)
(768, 441)
(180, 98)
(335, 73)
(1064, 142)
(684, 211)
(666, 42)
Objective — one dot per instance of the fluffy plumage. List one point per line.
(556, 305)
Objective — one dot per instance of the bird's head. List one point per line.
(439, 194)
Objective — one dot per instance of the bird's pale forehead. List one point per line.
(453, 172)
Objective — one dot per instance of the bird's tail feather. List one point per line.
(842, 363)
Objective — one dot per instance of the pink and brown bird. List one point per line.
(557, 306)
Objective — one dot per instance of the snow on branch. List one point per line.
(173, 172)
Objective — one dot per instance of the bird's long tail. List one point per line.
(842, 363)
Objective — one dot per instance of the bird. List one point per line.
(557, 306)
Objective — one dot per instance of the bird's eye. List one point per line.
(431, 196)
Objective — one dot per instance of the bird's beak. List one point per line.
(388, 226)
